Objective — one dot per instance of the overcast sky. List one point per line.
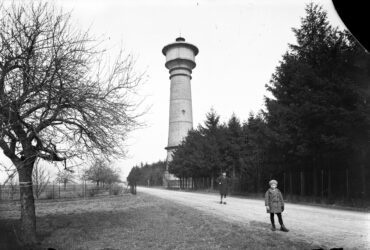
(240, 44)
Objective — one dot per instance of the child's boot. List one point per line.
(273, 228)
(283, 228)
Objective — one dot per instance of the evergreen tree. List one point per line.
(234, 143)
(255, 157)
(214, 140)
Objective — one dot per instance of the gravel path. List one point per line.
(322, 226)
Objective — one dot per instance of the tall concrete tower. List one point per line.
(180, 61)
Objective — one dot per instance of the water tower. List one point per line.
(180, 61)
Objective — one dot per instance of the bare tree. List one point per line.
(101, 172)
(59, 97)
(40, 178)
(65, 176)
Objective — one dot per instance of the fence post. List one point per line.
(53, 191)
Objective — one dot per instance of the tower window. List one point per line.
(183, 111)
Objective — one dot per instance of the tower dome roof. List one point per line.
(180, 41)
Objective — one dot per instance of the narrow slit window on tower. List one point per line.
(183, 111)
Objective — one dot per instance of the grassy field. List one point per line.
(136, 222)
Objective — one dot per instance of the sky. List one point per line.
(240, 45)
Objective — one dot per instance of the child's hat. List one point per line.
(272, 182)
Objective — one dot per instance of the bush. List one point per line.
(115, 189)
(94, 191)
(49, 195)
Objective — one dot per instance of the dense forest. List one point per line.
(313, 135)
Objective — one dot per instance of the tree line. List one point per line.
(313, 135)
(147, 174)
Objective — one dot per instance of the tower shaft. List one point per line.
(181, 115)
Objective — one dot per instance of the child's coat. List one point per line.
(274, 199)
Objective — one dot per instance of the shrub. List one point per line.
(92, 192)
(115, 189)
(49, 195)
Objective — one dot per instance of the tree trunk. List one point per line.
(329, 183)
(240, 185)
(212, 183)
(347, 184)
(28, 215)
(233, 179)
(322, 184)
(363, 174)
(363, 181)
(315, 184)
(284, 183)
(302, 184)
(290, 184)
(258, 181)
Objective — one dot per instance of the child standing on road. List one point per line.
(275, 205)
(223, 183)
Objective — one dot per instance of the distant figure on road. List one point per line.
(223, 185)
(275, 205)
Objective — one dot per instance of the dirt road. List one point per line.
(327, 227)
